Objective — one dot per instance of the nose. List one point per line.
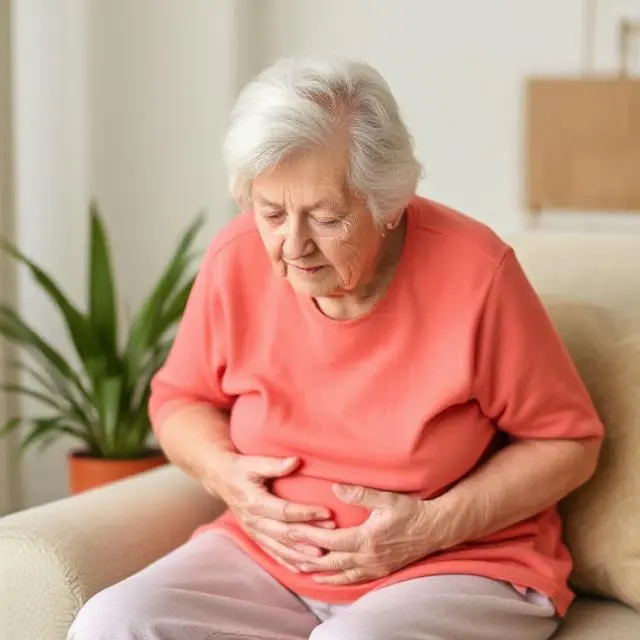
(297, 243)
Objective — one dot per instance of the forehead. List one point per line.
(317, 176)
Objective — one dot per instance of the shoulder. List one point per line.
(233, 238)
(236, 248)
(458, 235)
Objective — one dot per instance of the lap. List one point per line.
(448, 607)
(209, 589)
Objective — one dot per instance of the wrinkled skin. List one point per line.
(399, 531)
(241, 482)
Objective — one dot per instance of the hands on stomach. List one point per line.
(268, 499)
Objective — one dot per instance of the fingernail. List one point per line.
(306, 567)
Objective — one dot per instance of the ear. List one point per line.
(395, 220)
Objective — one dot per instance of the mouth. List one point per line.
(307, 269)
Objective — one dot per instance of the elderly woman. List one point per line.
(369, 381)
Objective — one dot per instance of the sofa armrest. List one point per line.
(56, 556)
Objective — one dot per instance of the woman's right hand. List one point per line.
(241, 481)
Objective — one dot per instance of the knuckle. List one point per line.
(248, 519)
(358, 493)
(246, 504)
(287, 511)
(291, 535)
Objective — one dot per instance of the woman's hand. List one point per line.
(241, 482)
(399, 531)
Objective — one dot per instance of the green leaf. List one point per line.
(77, 326)
(10, 426)
(108, 401)
(137, 433)
(102, 296)
(17, 330)
(174, 310)
(80, 404)
(70, 405)
(45, 430)
(104, 403)
(148, 325)
(32, 393)
(38, 376)
(40, 428)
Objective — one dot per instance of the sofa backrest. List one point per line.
(599, 268)
(591, 288)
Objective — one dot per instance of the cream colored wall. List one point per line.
(125, 102)
(51, 190)
(8, 466)
(458, 70)
(159, 100)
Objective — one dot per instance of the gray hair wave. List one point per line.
(299, 103)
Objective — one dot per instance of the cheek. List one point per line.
(273, 245)
(344, 258)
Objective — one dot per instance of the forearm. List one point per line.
(520, 481)
(194, 437)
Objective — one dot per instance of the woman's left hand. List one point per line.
(400, 530)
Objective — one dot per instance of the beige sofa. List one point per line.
(54, 557)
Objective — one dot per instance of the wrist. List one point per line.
(214, 463)
(446, 517)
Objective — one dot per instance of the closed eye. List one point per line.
(329, 222)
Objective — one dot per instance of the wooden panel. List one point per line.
(583, 144)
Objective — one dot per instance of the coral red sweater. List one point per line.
(409, 398)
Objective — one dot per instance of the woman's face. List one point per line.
(322, 239)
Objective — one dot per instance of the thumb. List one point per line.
(370, 498)
(261, 467)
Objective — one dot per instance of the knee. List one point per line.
(350, 627)
(113, 613)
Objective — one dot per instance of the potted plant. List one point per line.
(101, 401)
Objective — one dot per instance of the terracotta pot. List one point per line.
(87, 472)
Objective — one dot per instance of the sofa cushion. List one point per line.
(599, 620)
(602, 519)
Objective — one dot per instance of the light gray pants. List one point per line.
(209, 589)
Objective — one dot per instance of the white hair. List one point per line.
(298, 104)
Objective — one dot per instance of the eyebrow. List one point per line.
(325, 203)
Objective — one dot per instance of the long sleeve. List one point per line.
(525, 379)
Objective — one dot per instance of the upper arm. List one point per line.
(195, 366)
(525, 379)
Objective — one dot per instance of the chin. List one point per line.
(310, 289)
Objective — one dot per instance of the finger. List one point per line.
(308, 550)
(265, 504)
(289, 554)
(349, 539)
(282, 532)
(346, 577)
(259, 467)
(334, 561)
(369, 498)
(324, 524)
(280, 561)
